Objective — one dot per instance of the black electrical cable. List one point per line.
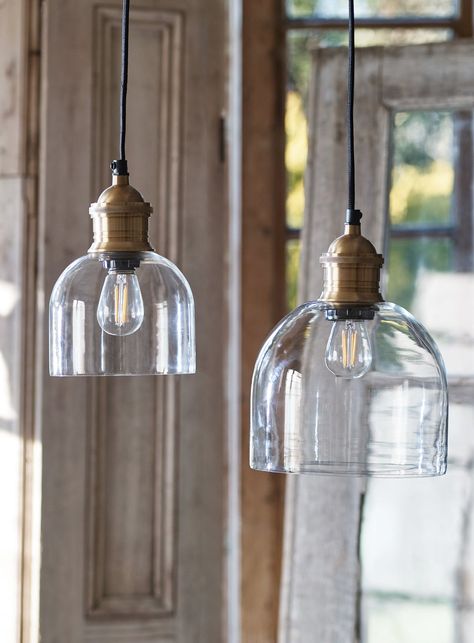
(120, 167)
(353, 216)
(124, 81)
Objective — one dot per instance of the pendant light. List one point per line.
(350, 384)
(121, 309)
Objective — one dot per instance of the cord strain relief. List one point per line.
(353, 217)
(119, 167)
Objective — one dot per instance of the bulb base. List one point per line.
(344, 313)
(351, 271)
(120, 219)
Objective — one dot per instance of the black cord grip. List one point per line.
(119, 167)
(353, 217)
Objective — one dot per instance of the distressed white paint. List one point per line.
(19, 450)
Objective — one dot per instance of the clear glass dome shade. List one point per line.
(365, 396)
(122, 314)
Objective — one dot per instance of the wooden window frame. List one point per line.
(462, 26)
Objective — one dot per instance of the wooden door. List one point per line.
(139, 538)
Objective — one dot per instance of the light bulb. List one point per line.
(120, 310)
(348, 351)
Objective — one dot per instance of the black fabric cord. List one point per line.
(124, 80)
(353, 216)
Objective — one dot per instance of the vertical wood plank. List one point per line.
(13, 79)
(320, 596)
(20, 451)
(263, 298)
(11, 225)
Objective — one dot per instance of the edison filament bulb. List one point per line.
(120, 310)
(349, 347)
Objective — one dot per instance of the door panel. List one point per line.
(135, 483)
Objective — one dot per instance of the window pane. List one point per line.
(368, 8)
(431, 191)
(402, 540)
(299, 59)
(394, 620)
(422, 172)
(292, 267)
(410, 259)
(300, 44)
(295, 158)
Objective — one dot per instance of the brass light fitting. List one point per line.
(120, 219)
(351, 271)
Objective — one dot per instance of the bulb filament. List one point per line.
(349, 346)
(121, 300)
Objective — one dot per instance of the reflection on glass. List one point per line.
(293, 392)
(368, 8)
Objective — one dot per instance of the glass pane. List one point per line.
(409, 259)
(299, 60)
(394, 620)
(371, 8)
(401, 540)
(430, 250)
(292, 267)
(300, 44)
(422, 172)
(295, 158)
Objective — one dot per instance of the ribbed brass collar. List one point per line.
(351, 270)
(120, 219)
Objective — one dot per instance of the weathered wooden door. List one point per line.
(138, 534)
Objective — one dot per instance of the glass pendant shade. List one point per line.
(122, 309)
(98, 328)
(345, 386)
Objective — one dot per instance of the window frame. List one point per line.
(461, 24)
